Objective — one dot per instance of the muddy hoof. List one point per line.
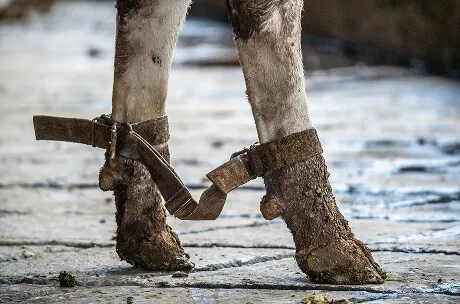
(346, 262)
(143, 237)
(326, 249)
(161, 252)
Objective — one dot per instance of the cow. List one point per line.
(267, 35)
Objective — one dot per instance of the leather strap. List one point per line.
(96, 132)
(261, 159)
(240, 169)
(178, 199)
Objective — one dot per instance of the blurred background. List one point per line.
(422, 34)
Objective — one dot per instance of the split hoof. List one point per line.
(347, 262)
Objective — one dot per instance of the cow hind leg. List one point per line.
(267, 34)
(146, 35)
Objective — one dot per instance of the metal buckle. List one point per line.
(114, 126)
(245, 150)
(107, 120)
(103, 119)
(92, 131)
(113, 141)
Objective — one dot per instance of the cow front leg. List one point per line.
(267, 34)
(146, 35)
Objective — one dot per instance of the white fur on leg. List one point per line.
(272, 64)
(146, 38)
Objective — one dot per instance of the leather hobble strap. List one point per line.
(96, 132)
(264, 158)
(102, 132)
(142, 141)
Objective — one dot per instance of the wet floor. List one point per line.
(391, 138)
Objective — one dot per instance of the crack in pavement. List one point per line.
(353, 217)
(416, 250)
(224, 245)
(84, 245)
(87, 245)
(255, 224)
(239, 263)
(4, 212)
(37, 280)
(412, 220)
(374, 293)
(307, 286)
(310, 286)
(49, 185)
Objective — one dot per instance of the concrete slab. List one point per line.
(407, 272)
(227, 268)
(46, 294)
(46, 262)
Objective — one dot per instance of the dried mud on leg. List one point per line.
(326, 249)
(144, 239)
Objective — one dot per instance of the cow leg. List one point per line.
(147, 31)
(267, 34)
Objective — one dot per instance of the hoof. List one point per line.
(326, 249)
(347, 262)
(144, 239)
(158, 253)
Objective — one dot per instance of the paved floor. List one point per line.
(391, 138)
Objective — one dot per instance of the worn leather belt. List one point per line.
(96, 132)
(244, 166)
